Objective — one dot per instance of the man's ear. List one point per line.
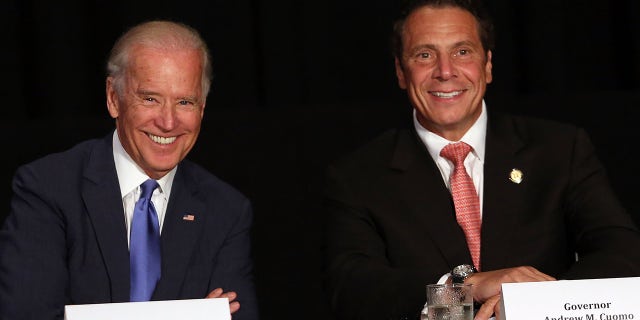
(400, 74)
(488, 67)
(112, 98)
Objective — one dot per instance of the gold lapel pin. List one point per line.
(515, 176)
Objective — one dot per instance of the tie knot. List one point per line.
(456, 152)
(147, 188)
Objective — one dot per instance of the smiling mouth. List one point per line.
(446, 95)
(161, 140)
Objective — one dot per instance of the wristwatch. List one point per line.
(462, 272)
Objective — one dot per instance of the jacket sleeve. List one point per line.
(33, 272)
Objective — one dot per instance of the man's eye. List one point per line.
(424, 55)
(185, 102)
(149, 99)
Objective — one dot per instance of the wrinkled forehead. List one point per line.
(440, 26)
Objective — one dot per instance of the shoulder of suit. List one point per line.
(373, 150)
(531, 123)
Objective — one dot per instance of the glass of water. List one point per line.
(448, 302)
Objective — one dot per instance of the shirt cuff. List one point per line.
(444, 278)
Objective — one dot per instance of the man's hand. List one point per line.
(218, 293)
(488, 284)
(489, 308)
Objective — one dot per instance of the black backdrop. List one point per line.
(298, 83)
(269, 54)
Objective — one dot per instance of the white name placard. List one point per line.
(593, 299)
(193, 309)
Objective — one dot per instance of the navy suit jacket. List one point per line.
(65, 242)
(391, 225)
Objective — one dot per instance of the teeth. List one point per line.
(162, 140)
(441, 94)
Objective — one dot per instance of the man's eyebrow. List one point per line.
(433, 47)
(146, 92)
(422, 46)
(464, 43)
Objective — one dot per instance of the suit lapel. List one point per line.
(101, 195)
(430, 201)
(183, 224)
(503, 198)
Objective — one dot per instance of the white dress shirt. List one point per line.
(474, 163)
(130, 176)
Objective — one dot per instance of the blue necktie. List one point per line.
(144, 246)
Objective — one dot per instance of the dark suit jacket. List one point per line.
(391, 225)
(65, 239)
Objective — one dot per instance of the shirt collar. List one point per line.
(130, 175)
(475, 136)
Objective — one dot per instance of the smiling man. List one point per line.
(466, 194)
(72, 235)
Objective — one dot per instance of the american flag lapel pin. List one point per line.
(188, 217)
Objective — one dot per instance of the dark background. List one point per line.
(299, 83)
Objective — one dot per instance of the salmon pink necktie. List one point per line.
(465, 198)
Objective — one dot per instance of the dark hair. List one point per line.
(485, 25)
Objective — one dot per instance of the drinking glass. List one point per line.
(448, 302)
